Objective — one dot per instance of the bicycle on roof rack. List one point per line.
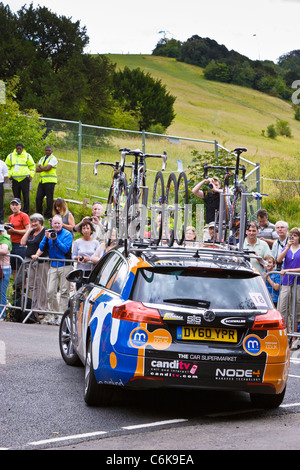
(231, 220)
(136, 210)
(117, 196)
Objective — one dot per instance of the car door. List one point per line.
(91, 297)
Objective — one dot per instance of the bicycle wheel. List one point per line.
(157, 208)
(171, 211)
(120, 209)
(136, 210)
(108, 222)
(183, 199)
(239, 217)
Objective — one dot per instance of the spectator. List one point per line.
(100, 251)
(3, 178)
(84, 248)
(46, 168)
(282, 229)
(59, 244)
(290, 256)
(99, 230)
(104, 248)
(190, 236)
(60, 207)
(260, 247)
(38, 271)
(272, 280)
(5, 248)
(21, 169)
(266, 230)
(20, 223)
(211, 198)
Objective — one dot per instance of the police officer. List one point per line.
(46, 168)
(21, 169)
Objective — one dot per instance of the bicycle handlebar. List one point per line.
(225, 169)
(164, 157)
(138, 153)
(115, 165)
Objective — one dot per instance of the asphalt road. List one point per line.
(42, 407)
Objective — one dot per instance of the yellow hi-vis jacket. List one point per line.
(20, 166)
(50, 175)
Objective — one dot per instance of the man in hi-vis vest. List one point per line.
(21, 169)
(46, 168)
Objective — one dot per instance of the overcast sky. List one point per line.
(259, 29)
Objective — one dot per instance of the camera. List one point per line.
(91, 219)
(52, 232)
(81, 258)
(291, 238)
(210, 185)
(8, 226)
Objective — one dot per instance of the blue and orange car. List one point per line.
(176, 317)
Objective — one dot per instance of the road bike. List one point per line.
(117, 196)
(232, 216)
(138, 192)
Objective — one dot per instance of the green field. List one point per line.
(205, 110)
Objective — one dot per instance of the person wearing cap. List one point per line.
(20, 224)
(21, 169)
(46, 168)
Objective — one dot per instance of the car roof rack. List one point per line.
(164, 255)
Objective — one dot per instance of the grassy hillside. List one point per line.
(233, 115)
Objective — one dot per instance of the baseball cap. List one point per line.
(17, 200)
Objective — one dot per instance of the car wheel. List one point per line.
(267, 401)
(66, 344)
(94, 393)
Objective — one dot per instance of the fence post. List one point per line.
(216, 149)
(143, 141)
(79, 155)
(258, 184)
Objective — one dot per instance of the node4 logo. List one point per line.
(252, 345)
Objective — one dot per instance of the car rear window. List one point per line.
(204, 289)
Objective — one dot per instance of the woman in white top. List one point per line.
(85, 247)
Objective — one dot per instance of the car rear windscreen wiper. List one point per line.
(187, 301)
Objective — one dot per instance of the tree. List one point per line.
(167, 48)
(56, 78)
(138, 91)
(17, 126)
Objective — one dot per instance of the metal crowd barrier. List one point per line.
(36, 289)
(288, 302)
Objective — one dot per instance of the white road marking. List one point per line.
(157, 423)
(289, 405)
(67, 438)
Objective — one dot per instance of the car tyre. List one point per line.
(268, 402)
(66, 343)
(94, 393)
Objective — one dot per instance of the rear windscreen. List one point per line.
(204, 289)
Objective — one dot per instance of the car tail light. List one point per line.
(272, 320)
(137, 312)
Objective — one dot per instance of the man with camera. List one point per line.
(99, 229)
(59, 241)
(211, 198)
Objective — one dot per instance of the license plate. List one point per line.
(207, 334)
